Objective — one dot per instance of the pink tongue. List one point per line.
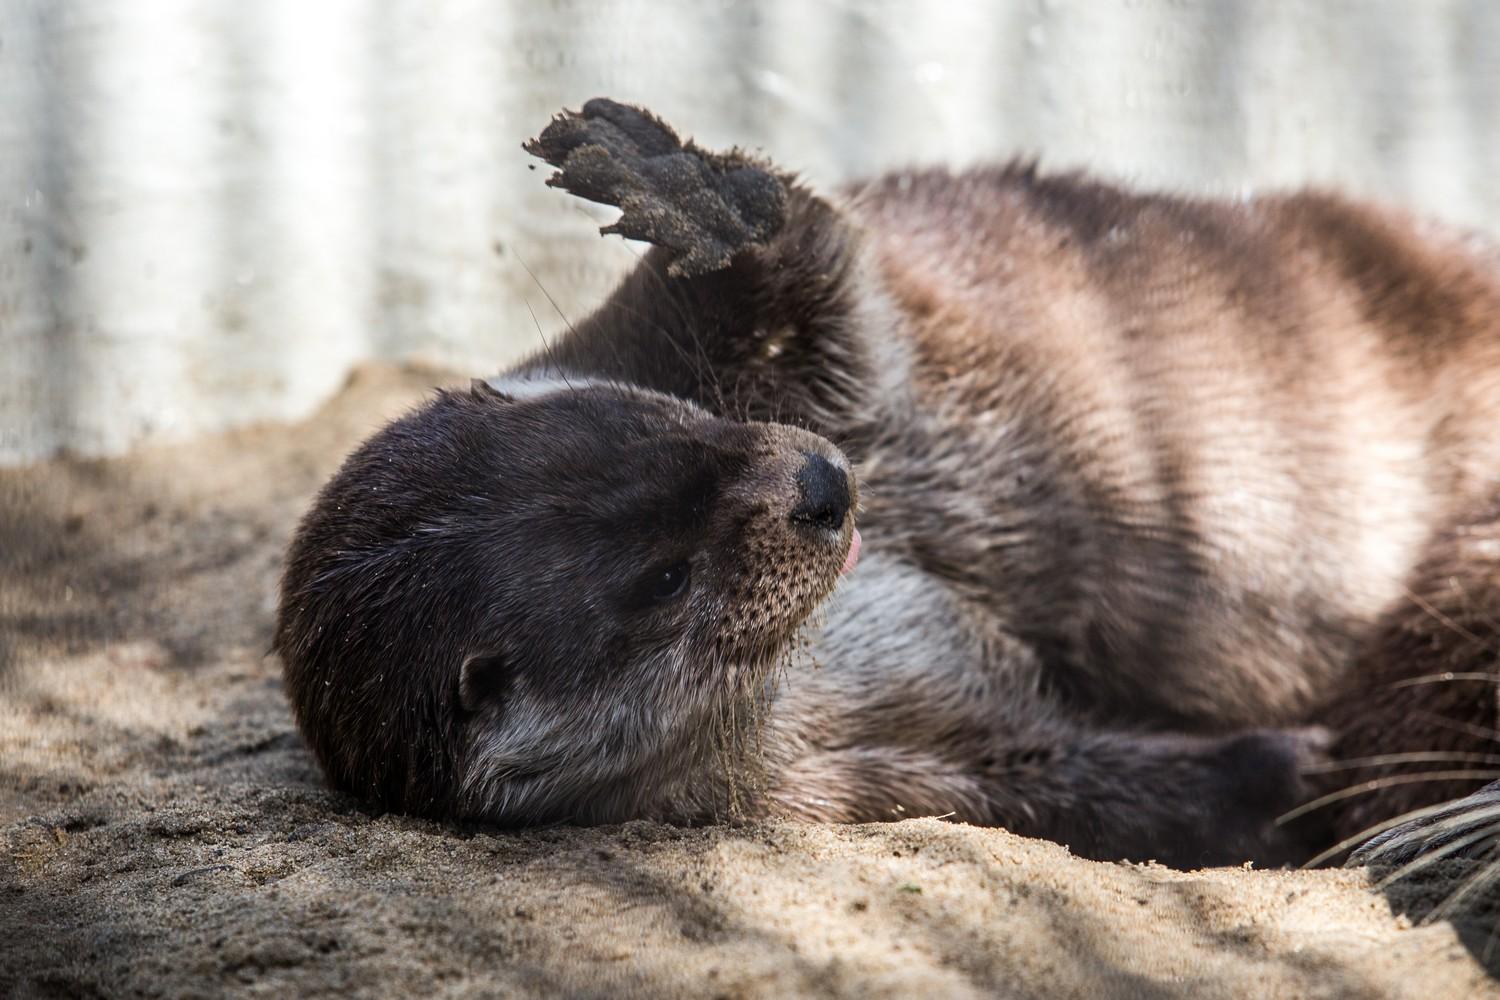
(853, 557)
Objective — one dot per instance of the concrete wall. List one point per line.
(210, 210)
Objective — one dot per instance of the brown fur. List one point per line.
(1140, 473)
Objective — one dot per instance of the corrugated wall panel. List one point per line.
(210, 211)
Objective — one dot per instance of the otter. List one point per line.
(1167, 510)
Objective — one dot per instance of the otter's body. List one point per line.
(1191, 450)
(1147, 484)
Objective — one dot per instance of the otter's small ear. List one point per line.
(481, 389)
(481, 681)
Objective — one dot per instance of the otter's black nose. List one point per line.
(825, 493)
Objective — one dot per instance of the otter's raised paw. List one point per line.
(1464, 828)
(704, 207)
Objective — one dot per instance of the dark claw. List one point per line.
(703, 207)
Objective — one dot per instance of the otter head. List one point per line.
(543, 602)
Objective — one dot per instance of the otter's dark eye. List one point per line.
(668, 582)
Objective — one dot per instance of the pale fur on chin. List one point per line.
(690, 750)
(574, 761)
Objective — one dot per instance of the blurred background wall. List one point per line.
(210, 211)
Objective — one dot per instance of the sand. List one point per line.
(166, 834)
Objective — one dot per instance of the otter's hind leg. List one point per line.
(1417, 724)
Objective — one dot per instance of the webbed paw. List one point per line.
(703, 207)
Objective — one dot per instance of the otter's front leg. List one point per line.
(703, 208)
(1186, 801)
(751, 302)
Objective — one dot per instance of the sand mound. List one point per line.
(167, 835)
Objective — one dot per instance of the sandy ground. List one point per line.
(165, 833)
